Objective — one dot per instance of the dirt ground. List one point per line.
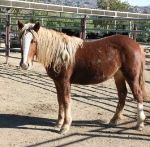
(28, 111)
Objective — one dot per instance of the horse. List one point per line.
(71, 60)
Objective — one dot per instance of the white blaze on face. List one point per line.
(26, 41)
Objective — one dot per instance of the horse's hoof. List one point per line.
(113, 122)
(58, 126)
(140, 128)
(64, 131)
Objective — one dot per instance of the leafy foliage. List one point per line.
(113, 5)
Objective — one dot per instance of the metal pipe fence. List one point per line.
(79, 26)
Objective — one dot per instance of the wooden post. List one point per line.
(135, 33)
(83, 28)
(7, 42)
(115, 24)
(130, 28)
(0, 34)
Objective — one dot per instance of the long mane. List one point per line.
(56, 48)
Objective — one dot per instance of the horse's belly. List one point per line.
(88, 77)
(94, 73)
(86, 81)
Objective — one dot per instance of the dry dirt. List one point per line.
(28, 112)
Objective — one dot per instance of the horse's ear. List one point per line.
(20, 25)
(36, 27)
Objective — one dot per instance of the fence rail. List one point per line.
(67, 9)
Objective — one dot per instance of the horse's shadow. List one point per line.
(24, 122)
(20, 122)
(98, 128)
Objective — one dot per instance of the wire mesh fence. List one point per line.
(94, 26)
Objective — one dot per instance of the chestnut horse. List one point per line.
(71, 60)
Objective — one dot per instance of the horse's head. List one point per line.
(28, 41)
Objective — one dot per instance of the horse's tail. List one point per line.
(141, 78)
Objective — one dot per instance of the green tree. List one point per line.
(116, 5)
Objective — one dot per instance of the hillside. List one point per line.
(138, 9)
(93, 4)
(76, 3)
(90, 4)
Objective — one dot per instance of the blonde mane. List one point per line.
(56, 48)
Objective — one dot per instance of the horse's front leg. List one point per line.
(60, 120)
(67, 108)
(64, 101)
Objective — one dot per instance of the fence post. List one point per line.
(130, 28)
(135, 32)
(83, 28)
(0, 33)
(7, 37)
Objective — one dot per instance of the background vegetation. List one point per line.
(71, 22)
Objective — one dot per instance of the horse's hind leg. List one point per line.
(122, 93)
(138, 95)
